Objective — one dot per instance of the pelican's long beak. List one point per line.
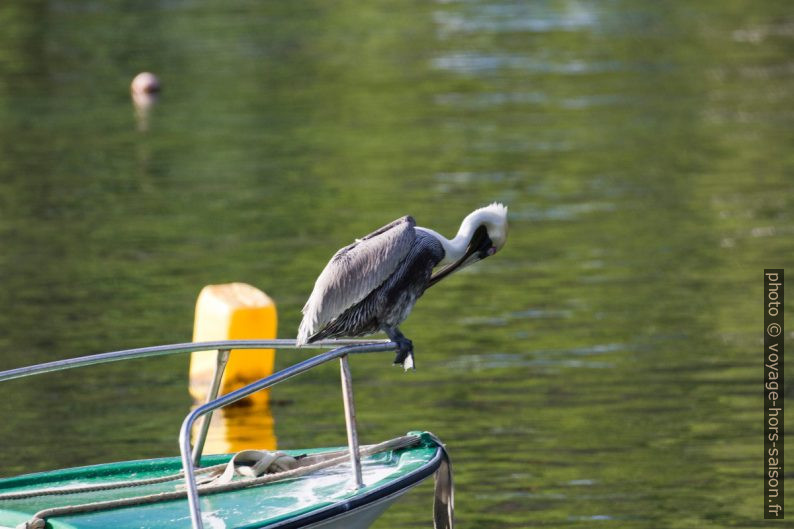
(479, 248)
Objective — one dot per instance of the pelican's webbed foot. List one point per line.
(405, 353)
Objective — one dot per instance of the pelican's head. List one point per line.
(482, 233)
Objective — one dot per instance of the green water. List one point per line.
(603, 370)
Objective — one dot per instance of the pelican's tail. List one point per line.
(304, 333)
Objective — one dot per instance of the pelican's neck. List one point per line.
(493, 218)
(455, 248)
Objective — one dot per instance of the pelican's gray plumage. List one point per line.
(372, 284)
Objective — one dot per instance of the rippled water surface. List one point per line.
(603, 370)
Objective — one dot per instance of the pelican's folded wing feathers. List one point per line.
(355, 271)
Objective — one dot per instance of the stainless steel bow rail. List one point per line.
(340, 349)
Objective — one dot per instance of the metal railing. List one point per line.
(191, 456)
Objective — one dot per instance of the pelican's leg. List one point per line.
(405, 355)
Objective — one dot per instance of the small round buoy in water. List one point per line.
(145, 89)
(145, 83)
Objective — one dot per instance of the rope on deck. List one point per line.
(307, 464)
(111, 485)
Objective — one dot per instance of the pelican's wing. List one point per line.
(355, 271)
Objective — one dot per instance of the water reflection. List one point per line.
(508, 17)
(143, 103)
(236, 428)
(474, 63)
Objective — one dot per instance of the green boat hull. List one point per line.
(322, 499)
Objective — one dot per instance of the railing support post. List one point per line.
(238, 394)
(350, 422)
(220, 366)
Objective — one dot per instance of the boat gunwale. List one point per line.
(368, 497)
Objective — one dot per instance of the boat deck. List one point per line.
(309, 501)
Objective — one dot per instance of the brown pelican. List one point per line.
(372, 284)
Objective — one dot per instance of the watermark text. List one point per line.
(773, 394)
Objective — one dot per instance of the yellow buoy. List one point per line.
(233, 311)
